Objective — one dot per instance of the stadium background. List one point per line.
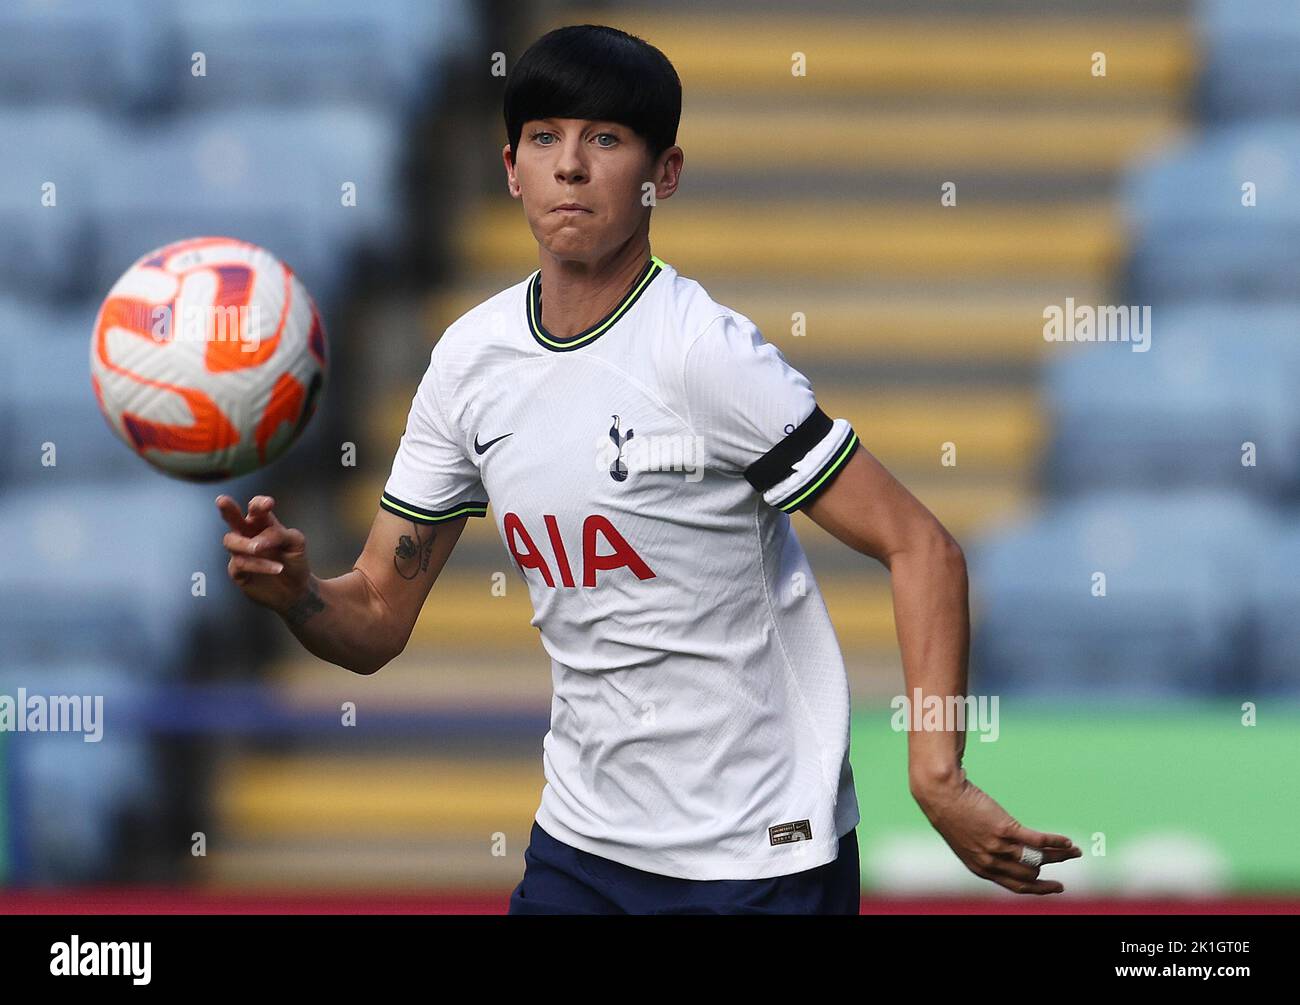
(1121, 717)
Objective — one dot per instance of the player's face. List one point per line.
(601, 167)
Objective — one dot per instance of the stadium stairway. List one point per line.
(817, 194)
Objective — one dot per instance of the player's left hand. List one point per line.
(987, 839)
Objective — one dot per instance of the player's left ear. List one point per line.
(666, 171)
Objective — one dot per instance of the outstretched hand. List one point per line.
(268, 561)
(987, 839)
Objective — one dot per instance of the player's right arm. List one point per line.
(360, 620)
(363, 619)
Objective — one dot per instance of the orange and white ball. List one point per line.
(208, 358)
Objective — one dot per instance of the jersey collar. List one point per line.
(533, 310)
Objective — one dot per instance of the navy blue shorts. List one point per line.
(561, 879)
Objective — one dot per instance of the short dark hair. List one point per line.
(593, 71)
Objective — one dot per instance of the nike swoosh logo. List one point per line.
(480, 447)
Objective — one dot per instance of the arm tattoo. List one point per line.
(412, 554)
(304, 608)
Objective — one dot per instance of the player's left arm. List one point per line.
(868, 509)
(872, 512)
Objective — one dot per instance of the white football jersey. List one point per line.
(642, 474)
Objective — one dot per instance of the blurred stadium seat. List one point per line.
(1181, 582)
(45, 231)
(80, 51)
(1191, 235)
(44, 352)
(383, 53)
(116, 560)
(136, 56)
(1279, 627)
(70, 795)
(1250, 58)
(1214, 377)
(271, 176)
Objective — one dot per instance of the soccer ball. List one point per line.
(208, 358)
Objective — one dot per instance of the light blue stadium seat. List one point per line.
(1279, 626)
(187, 181)
(384, 53)
(1191, 237)
(1250, 57)
(104, 570)
(135, 55)
(46, 250)
(47, 397)
(69, 796)
(271, 176)
(1182, 583)
(79, 51)
(1215, 376)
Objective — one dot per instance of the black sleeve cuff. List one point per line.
(419, 514)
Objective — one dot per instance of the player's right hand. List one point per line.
(268, 561)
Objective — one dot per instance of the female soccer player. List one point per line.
(643, 448)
